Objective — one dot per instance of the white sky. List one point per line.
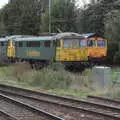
(82, 2)
(3, 2)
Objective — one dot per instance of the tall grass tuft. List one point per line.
(53, 76)
(49, 79)
(19, 69)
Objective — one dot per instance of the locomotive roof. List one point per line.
(3, 39)
(40, 38)
(88, 35)
(65, 34)
(47, 38)
(16, 36)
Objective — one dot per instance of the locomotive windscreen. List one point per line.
(101, 43)
(74, 43)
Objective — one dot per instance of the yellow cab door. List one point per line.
(92, 47)
(59, 44)
(71, 50)
(11, 49)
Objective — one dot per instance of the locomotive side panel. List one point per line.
(36, 50)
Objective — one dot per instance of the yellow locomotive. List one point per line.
(96, 47)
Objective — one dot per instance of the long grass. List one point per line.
(54, 78)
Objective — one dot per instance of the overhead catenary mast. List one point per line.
(49, 16)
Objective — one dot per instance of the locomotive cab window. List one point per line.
(75, 43)
(91, 43)
(67, 44)
(47, 44)
(20, 44)
(101, 43)
(71, 43)
(83, 43)
(2, 43)
(58, 43)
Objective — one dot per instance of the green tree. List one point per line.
(112, 30)
(21, 17)
(63, 16)
(2, 26)
(92, 17)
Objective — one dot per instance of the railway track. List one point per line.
(69, 109)
(68, 112)
(17, 110)
(6, 116)
(104, 100)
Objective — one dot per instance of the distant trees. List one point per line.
(63, 16)
(20, 17)
(112, 31)
(32, 16)
(92, 18)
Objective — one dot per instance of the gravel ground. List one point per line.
(77, 104)
(67, 114)
(18, 111)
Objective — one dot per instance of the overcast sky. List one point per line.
(3, 2)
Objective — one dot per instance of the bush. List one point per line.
(112, 49)
(116, 58)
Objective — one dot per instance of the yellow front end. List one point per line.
(97, 52)
(73, 53)
(97, 47)
(11, 49)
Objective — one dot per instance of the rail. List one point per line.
(111, 112)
